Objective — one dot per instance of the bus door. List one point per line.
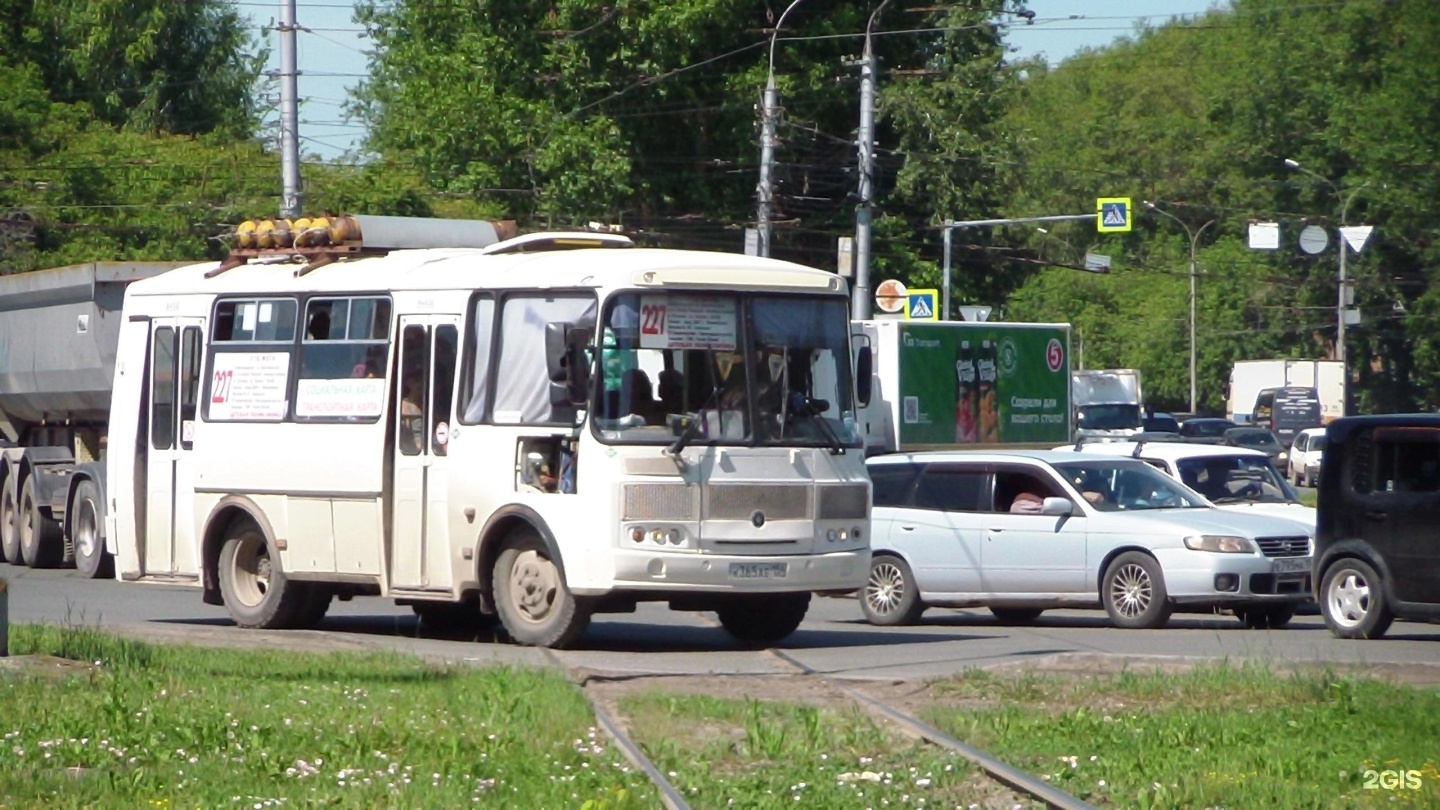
(420, 555)
(174, 377)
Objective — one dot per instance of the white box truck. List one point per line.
(1108, 402)
(948, 384)
(1249, 377)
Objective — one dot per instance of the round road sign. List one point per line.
(1314, 239)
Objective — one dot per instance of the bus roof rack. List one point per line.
(323, 239)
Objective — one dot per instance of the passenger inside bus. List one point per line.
(412, 415)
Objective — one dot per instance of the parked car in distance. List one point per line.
(1376, 558)
(1261, 439)
(1232, 478)
(1205, 428)
(1306, 455)
(1158, 422)
(1020, 532)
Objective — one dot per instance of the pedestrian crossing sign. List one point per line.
(922, 305)
(1112, 214)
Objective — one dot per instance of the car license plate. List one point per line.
(758, 570)
(1291, 565)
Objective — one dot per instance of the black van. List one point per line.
(1376, 552)
(1287, 411)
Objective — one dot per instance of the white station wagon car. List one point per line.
(1020, 532)
(1232, 478)
(1306, 454)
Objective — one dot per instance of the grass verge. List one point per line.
(134, 725)
(767, 754)
(1214, 736)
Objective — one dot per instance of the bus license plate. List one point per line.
(1292, 565)
(758, 570)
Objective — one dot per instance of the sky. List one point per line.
(331, 50)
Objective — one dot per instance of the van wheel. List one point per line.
(761, 619)
(1353, 600)
(257, 594)
(1133, 591)
(531, 598)
(91, 558)
(40, 539)
(9, 523)
(1016, 615)
(1263, 617)
(890, 597)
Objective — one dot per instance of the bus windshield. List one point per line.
(725, 368)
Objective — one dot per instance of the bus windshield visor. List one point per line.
(725, 368)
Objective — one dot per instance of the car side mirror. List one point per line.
(864, 375)
(1057, 506)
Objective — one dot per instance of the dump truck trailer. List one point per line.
(59, 330)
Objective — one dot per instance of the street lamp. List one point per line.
(1194, 238)
(768, 102)
(1344, 201)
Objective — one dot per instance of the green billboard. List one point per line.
(983, 383)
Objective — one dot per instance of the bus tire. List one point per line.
(40, 537)
(9, 522)
(313, 608)
(531, 598)
(764, 619)
(257, 594)
(91, 558)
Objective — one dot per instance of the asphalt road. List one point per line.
(834, 639)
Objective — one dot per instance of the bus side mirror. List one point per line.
(864, 373)
(557, 353)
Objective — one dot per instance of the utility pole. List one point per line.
(860, 300)
(290, 198)
(1194, 273)
(769, 104)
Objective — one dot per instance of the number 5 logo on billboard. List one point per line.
(1055, 354)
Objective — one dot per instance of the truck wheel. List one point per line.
(257, 594)
(91, 558)
(9, 523)
(40, 540)
(1265, 617)
(531, 598)
(1352, 598)
(890, 597)
(764, 619)
(1133, 591)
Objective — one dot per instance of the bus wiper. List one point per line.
(693, 426)
(812, 408)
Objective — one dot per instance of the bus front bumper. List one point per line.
(639, 569)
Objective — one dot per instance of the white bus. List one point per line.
(538, 431)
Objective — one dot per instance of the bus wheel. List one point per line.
(91, 558)
(40, 545)
(531, 598)
(9, 523)
(257, 594)
(763, 618)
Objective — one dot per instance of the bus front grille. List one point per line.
(659, 502)
(740, 501)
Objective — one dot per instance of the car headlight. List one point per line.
(1283, 455)
(1223, 543)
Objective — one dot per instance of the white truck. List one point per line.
(1108, 402)
(1249, 377)
(946, 384)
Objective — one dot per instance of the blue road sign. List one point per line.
(922, 305)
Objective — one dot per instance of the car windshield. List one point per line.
(1109, 417)
(1206, 427)
(1125, 485)
(1236, 479)
(725, 368)
(1258, 439)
